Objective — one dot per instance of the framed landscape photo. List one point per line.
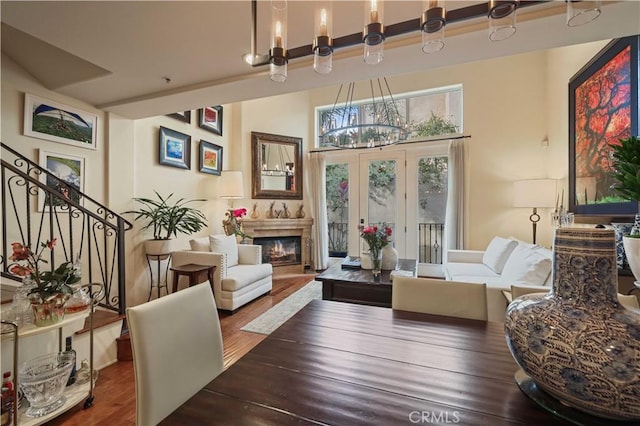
(175, 148)
(210, 158)
(182, 116)
(56, 122)
(603, 108)
(66, 168)
(210, 118)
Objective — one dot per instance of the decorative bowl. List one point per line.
(43, 380)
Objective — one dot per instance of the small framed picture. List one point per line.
(182, 116)
(65, 175)
(210, 118)
(56, 122)
(210, 158)
(175, 148)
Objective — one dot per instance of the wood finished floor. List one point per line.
(115, 402)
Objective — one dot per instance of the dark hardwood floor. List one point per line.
(115, 402)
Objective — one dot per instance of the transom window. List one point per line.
(428, 113)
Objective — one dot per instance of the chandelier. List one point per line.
(374, 123)
(501, 16)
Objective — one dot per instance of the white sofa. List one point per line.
(240, 275)
(505, 262)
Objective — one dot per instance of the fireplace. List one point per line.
(281, 230)
(280, 251)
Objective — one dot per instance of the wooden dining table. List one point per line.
(344, 364)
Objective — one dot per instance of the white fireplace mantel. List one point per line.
(283, 228)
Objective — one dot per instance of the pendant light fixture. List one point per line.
(432, 24)
(502, 19)
(278, 52)
(377, 124)
(323, 42)
(580, 12)
(373, 34)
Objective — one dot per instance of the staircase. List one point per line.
(38, 206)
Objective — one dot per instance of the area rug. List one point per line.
(276, 316)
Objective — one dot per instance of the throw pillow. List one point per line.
(497, 253)
(225, 244)
(200, 244)
(527, 266)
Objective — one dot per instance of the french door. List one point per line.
(405, 188)
(381, 198)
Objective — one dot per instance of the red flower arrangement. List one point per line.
(233, 222)
(376, 237)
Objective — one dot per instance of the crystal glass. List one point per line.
(43, 380)
(79, 301)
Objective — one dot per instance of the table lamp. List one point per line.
(534, 193)
(231, 185)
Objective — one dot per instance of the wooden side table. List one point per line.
(192, 271)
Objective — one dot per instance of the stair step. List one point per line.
(100, 319)
(124, 347)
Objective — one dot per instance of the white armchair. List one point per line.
(240, 275)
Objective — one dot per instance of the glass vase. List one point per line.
(376, 261)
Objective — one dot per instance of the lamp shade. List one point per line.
(231, 185)
(534, 193)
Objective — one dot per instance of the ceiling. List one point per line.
(117, 55)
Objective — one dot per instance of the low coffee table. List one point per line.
(359, 285)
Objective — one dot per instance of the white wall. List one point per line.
(510, 106)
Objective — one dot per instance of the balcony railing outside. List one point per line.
(34, 211)
(429, 241)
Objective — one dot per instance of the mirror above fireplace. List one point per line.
(276, 166)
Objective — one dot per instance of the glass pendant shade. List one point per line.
(502, 19)
(432, 23)
(278, 52)
(323, 42)
(373, 32)
(582, 12)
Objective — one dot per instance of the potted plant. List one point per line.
(167, 218)
(232, 223)
(47, 290)
(626, 172)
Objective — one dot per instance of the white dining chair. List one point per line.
(177, 349)
(440, 297)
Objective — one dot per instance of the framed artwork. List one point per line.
(175, 148)
(210, 158)
(603, 108)
(56, 122)
(210, 118)
(65, 175)
(182, 116)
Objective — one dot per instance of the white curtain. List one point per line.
(320, 233)
(454, 222)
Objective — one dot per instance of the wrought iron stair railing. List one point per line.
(37, 206)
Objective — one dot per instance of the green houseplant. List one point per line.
(626, 173)
(167, 218)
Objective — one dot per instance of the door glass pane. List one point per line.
(382, 202)
(432, 203)
(338, 208)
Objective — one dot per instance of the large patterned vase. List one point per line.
(577, 342)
